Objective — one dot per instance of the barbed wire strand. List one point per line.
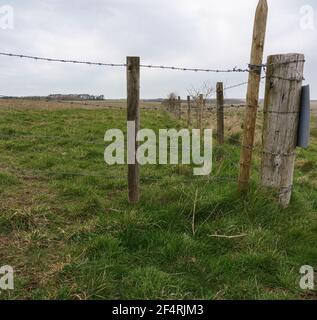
(102, 64)
(251, 68)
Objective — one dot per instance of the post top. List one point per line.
(133, 59)
(286, 57)
(262, 4)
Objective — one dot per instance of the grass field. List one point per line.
(69, 233)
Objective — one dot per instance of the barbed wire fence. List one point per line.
(210, 110)
(207, 116)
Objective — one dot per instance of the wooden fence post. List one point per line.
(201, 110)
(133, 101)
(189, 112)
(220, 114)
(253, 94)
(197, 106)
(281, 116)
(179, 104)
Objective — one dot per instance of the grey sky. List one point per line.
(200, 33)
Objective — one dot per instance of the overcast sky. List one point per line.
(200, 33)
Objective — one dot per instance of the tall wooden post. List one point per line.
(253, 94)
(133, 101)
(189, 112)
(220, 114)
(281, 117)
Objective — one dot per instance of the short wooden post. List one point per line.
(253, 94)
(189, 111)
(197, 106)
(179, 105)
(281, 117)
(220, 114)
(133, 102)
(201, 110)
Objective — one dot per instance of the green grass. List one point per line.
(72, 236)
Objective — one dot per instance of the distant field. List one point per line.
(44, 104)
(54, 105)
(67, 229)
(314, 106)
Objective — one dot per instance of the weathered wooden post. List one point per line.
(179, 105)
(133, 101)
(253, 94)
(281, 117)
(197, 107)
(201, 110)
(189, 112)
(220, 114)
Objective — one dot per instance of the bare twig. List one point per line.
(227, 237)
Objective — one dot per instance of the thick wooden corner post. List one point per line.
(280, 128)
(253, 94)
(220, 115)
(133, 102)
